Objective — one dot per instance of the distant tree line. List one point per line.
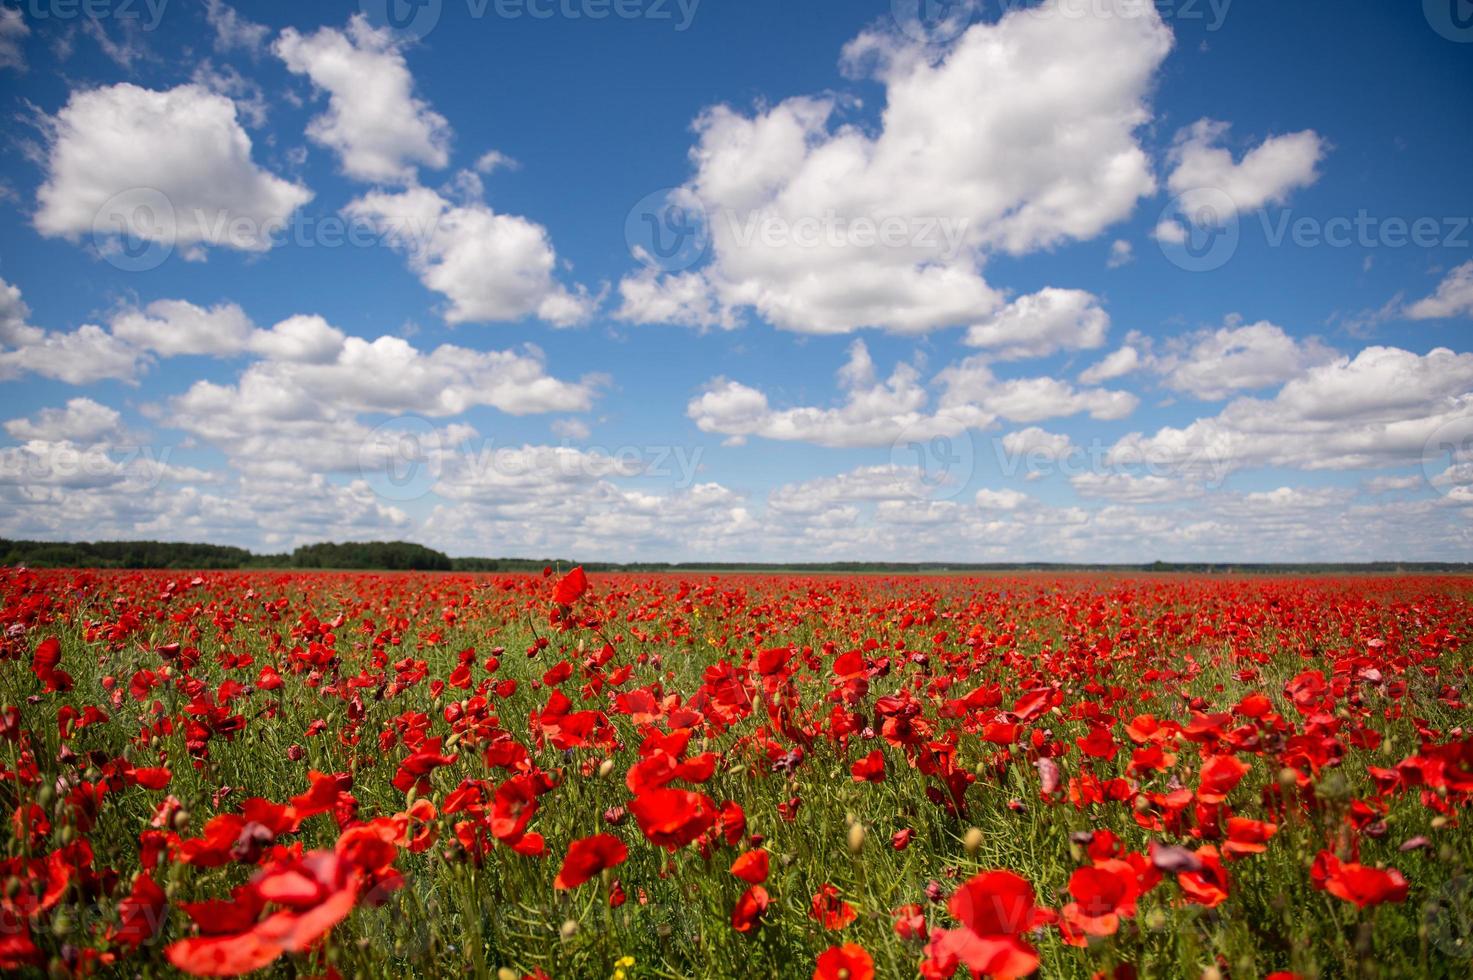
(407, 556)
(375, 555)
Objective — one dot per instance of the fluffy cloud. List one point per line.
(374, 122)
(1020, 135)
(301, 411)
(1037, 443)
(1045, 322)
(82, 357)
(171, 167)
(492, 267)
(174, 327)
(13, 32)
(1203, 171)
(885, 413)
(232, 31)
(1117, 365)
(1384, 407)
(682, 299)
(1211, 365)
(14, 330)
(971, 390)
(1122, 253)
(874, 413)
(81, 421)
(1454, 297)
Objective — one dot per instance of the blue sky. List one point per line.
(1083, 280)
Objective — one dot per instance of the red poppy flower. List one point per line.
(1359, 884)
(910, 922)
(1220, 773)
(751, 867)
(847, 962)
(44, 663)
(830, 909)
(749, 909)
(994, 909)
(570, 587)
(870, 769)
(672, 818)
(514, 805)
(1207, 884)
(587, 857)
(1102, 893)
(1246, 836)
(140, 914)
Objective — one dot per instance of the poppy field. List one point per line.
(621, 776)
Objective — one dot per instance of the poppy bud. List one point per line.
(856, 837)
(1212, 973)
(972, 841)
(181, 819)
(506, 973)
(569, 929)
(605, 767)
